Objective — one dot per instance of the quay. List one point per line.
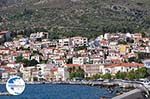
(139, 91)
(133, 94)
(127, 84)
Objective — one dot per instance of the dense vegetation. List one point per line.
(26, 62)
(75, 17)
(131, 75)
(76, 72)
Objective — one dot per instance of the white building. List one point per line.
(64, 43)
(122, 67)
(79, 41)
(36, 57)
(78, 60)
(62, 74)
(39, 35)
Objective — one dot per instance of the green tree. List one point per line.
(141, 73)
(95, 77)
(131, 59)
(120, 75)
(26, 62)
(143, 34)
(80, 48)
(131, 75)
(33, 62)
(76, 72)
(107, 76)
(19, 59)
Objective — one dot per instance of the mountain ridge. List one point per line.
(76, 16)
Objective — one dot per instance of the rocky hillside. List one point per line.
(76, 16)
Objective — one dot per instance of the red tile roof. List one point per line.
(73, 65)
(116, 61)
(125, 65)
(3, 32)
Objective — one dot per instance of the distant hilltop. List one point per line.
(76, 16)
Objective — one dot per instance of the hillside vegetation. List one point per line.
(75, 17)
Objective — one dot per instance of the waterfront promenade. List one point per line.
(133, 94)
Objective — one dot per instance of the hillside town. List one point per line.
(37, 58)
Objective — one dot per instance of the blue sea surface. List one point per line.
(56, 91)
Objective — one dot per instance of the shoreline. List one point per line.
(92, 83)
(116, 88)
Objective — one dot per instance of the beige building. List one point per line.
(93, 69)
